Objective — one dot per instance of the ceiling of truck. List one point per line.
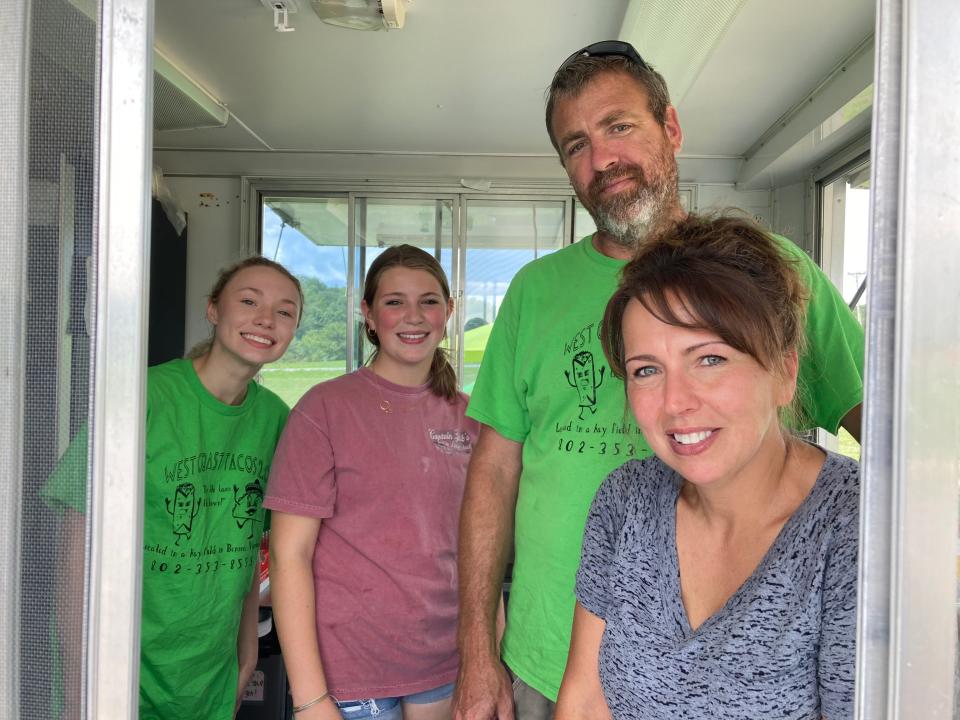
(468, 77)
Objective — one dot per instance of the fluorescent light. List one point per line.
(361, 14)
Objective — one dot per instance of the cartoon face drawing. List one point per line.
(583, 375)
(585, 380)
(184, 509)
(246, 505)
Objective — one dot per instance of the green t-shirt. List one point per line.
(544, 381)
(207, 465)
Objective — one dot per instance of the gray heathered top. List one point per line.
(782, 646)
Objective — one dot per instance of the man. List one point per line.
(554, 420)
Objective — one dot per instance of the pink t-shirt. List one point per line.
(388, 487)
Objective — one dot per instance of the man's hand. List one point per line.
(484, 692)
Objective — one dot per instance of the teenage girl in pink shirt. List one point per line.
(365, 490)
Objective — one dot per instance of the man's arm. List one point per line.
(486, 532)
(852, 420)
(581, 694)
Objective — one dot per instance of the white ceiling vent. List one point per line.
(179, 103)
(362, 14)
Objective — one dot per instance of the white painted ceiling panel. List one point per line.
(463, 76)
(468, 76)
(772, 54)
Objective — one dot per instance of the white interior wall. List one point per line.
(212, 205)
(720, 196)
(790, 214)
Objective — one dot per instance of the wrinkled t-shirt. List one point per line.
(781, 647)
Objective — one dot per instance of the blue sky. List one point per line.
(300, 256)
(329, 263)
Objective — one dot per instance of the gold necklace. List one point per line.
(385, 405)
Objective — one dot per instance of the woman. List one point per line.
(718, 579)
(210, 436)
(366, 490)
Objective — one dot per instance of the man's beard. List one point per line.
(629, 217)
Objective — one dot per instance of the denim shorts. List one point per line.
(389, 708)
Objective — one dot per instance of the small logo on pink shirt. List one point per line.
(451, 441)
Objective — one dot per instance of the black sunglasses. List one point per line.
(605, 48)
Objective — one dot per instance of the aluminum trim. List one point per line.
(251, 226)
(458, 266)
(352, 362)
(877, 456)
(927, 425)
(281, 185)
(117, 442)
(14, 56)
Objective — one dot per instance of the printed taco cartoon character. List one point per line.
(585, 381)
(185, 509)
(245, 505)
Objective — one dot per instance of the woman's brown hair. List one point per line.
(719, 273)
(442, 378)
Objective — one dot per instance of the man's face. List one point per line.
(620, 160)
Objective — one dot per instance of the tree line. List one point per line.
(322, 334)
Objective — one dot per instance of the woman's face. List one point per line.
(707, 410)
(256, 315)
(409, 314)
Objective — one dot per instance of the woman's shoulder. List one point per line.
(837, 489)
(460, 403)
(335, 388)
(171, 370)
(172, 378)
(639, 483)
(269, 402)
(650, 471)
(825, 528)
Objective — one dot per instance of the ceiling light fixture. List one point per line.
(281, 13)
(362, 14)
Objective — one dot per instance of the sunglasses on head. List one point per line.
(605, 48)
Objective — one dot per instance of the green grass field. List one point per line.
(290, 380)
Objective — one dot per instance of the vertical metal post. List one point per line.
(353, 343)
(876, 506)
(116, 507)
(14, 55)
(458, 260)
(908, 632)
(438, 228)
(928, 342)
